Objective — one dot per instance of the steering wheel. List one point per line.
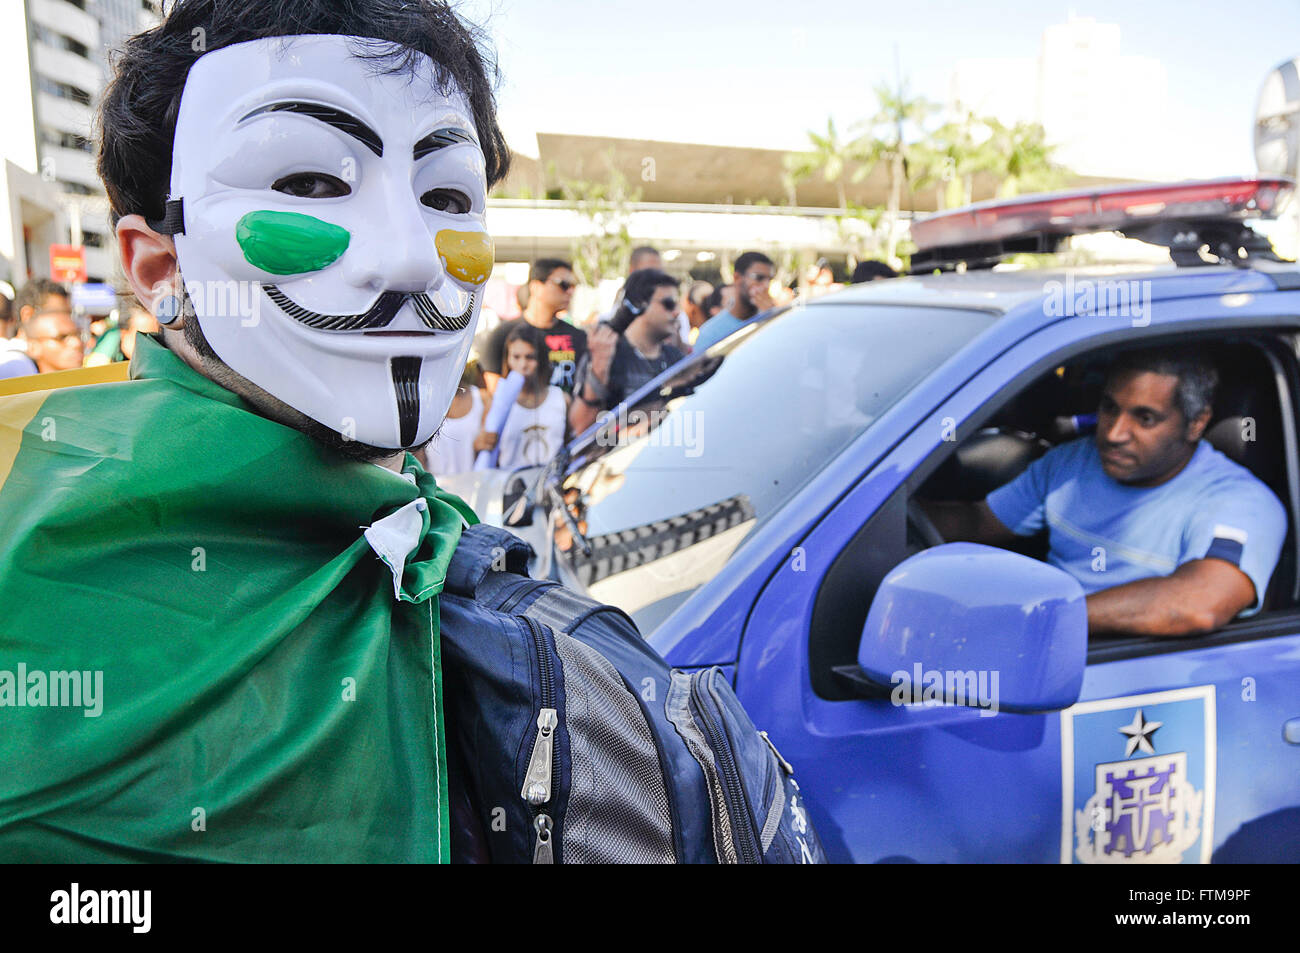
(924, 526)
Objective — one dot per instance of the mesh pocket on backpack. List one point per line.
(617, 810)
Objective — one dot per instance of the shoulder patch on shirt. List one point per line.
(1227, 544)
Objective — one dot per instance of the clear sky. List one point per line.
(762, 73)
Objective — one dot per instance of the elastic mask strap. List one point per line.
(173, 220)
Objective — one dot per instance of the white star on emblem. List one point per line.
(1139, 734)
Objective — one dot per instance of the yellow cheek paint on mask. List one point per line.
(469, 255)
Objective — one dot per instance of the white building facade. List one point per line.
(53, 63)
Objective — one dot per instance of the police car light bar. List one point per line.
(1215, 209)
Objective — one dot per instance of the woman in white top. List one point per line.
(453, 448)
(534, 430)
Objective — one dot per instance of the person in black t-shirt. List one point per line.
(630, 350)
(550, 291)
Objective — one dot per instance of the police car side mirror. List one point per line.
(964, 624)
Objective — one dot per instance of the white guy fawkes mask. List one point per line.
(329, 228)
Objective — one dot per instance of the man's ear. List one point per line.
(149, 260)
(1196, 429)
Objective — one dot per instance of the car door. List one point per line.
(951, 784)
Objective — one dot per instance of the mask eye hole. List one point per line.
(311, 185)
(452, 201)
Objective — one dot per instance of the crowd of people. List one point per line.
(575, 370)
(572, 371)
(39, 334)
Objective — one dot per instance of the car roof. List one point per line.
(1000, 290)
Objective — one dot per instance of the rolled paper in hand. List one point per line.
(507, 393)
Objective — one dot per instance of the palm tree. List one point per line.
(964, 147)
(831, 157)
(1025, 159)
(931, 166)
(890, 136)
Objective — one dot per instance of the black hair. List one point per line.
(714, 300)
(33, 295)
(641, 251)
(637, 292)
(870, 271)
(137, 115)
(523, 331)
(1197, 378)
(750, 258)
(543, 268)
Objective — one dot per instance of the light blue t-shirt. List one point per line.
(721, 325)
(13, 362)
(1105, 534)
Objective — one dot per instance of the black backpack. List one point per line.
(571, 741)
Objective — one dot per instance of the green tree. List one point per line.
(1025, 162)
(603, 250)
(891, 136)
(861, 229)
(831, 156)
(958, 150)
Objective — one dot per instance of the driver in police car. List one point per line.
(1166, 535)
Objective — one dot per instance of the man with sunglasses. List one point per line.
(550, 291)
(629, 351)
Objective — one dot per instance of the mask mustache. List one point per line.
(378, 315)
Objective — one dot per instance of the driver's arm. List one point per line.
(961, 521)
(1200, 596)
(1014, 510)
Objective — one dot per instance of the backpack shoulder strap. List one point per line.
(564, 610)
(488, 565)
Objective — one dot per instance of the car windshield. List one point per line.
(673, 485)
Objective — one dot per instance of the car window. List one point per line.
(675, 484)
(1059, 411)
(1001, 437)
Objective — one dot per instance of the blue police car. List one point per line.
(756, 509)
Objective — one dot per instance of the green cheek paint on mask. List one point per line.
(287, 243)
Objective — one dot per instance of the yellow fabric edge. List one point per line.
(103, 374)
(15, 414)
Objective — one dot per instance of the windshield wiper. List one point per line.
(553, 489)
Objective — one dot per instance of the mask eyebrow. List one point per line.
(330, 115)
(441, 139)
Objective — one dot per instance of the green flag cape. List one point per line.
(202, 654)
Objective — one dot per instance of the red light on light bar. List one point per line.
(1096, 210)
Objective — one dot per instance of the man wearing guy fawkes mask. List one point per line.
(333, 226)
(299, 190)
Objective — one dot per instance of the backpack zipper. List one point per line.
(519, 594)
(539, 781)
(542, 851)
(731, 783)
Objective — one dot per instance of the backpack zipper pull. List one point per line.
(537, 782)
(542, 852)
